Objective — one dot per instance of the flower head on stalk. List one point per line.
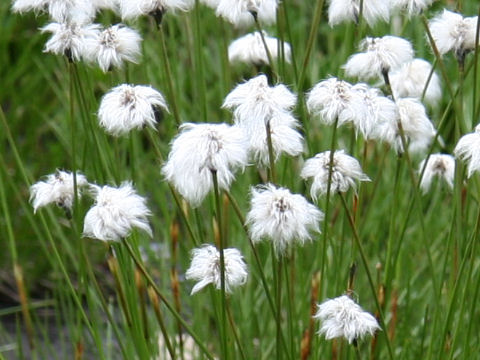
(133, 9)
(417, 127)
(205, 268)
(282, 217)
(63, 11)
(113, 46)
(58, 188)
(243, 12)
(346, 170)
(468, 149)
(70, 39)
(127, 107)
(257, 106)
(249, 49)
(201, 149)
(334, 100)
(343, 317)
(375, 110)
(379, 56)
(115, 213)
(349, 10)
(441, 165)
(453, 32)
(411, 78)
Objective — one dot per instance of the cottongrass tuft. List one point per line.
(468, 150)
(58, 188)
(113, 46)
(115, 213)
(346, 170)
(205, 268)
(281, 217)
(200, 149)
(241, 13)
(249, 49)
(127, 107)
(411, 78)
(412, 7)
(349, 10)
(342, 317)
(379, 56)
(334, 100)
(255, 105)
(70, 40)
(453, 32)
(133, 9)
(437, 165)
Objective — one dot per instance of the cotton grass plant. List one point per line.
(237, 195)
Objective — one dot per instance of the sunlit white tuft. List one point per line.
(379, 56)
(441, 165)
(334, 100)
(205, 268)
(250, 49)
(199, 150)
(132, 9)
(412, 7)
(346, 170)
(453, 32)
(342, 317)
(115, 213)
(282, 217)
(115, 45)
(241, 12)
(349, 10)
(254, 105)
(127, 107)
(410, 79)
(58, 188)
(468, 149)
(70, 40)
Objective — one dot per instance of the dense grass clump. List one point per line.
(328, 209)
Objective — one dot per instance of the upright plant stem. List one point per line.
(369, 275)
(223, 324)
(327, 203)
(267, 50)
(271, 155)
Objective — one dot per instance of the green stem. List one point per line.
(218, 204)
(369, 275)
(271, 156)
(169, 306)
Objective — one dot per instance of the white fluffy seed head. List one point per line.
(200, 149)
(58, 188)
(342, 317)
(372, 111)
(249, 49)
(241, 12)
(281, 217)
(468, 150)
(453, 32)
(205, 268)
(133, 9)
(411, 78)
(334, 99)
(115, 213)
(128, 107)
(255, 104)
(113, 46)
(346, 171)
(70, 40)
(379, 56)
(412, 7)
(418, 128)
(349, 10)
(22, 6)
(440, 165)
